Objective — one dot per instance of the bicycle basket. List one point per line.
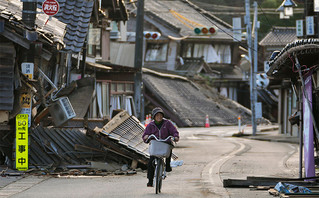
(159, 149)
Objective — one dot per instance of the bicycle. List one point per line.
(160, 150)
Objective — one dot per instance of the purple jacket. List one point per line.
(166, 130)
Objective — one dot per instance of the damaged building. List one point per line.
(53, 70)
(188, 103)
(297, 65)
(73, 75)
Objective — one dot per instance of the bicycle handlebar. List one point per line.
(160, 140)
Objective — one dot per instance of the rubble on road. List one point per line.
(278, 187)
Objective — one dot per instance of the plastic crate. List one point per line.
(159, 149)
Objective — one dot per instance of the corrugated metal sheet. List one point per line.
(7, 59)
(127, 131)
(76, 14)
(57, 146)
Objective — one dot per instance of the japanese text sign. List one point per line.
(22, 145)
(50, 7)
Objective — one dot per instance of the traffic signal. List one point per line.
(152, 35)
(205, 30)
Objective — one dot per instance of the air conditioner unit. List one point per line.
(61, 111)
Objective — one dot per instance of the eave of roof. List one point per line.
(283, 65)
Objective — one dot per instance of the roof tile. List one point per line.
(279, 36)
(76, 14)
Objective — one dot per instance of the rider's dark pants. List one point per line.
(151, 166)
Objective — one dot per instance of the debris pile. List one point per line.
(116, 148)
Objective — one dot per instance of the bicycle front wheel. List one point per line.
(158, 175)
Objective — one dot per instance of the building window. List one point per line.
(120, 87)
(101, 104)
(156, 52)
(111, 96)
(121, 97)
(212, 53)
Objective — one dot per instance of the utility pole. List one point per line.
(23, 119)
(255, 34)
(249, 43)
(138, 97)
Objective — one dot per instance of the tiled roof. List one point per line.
(282, 63)
(12, 10)
(184, 16)
(192, 66)
(76, 14)
(279, 36)
(189, 104)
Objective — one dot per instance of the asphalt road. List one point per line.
(209, 155)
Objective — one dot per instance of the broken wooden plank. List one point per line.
(240, 183)
(273, 192)
(120, 150)
(79, 147)
(41, 115)
(252, 178)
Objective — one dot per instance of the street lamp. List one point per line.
(286, 9)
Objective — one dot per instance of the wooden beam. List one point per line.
(121, 150)
(16, 38)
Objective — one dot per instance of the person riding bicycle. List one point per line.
(161, 128)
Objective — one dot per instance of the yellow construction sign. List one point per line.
(22, 153)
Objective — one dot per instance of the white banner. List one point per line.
(299, 28)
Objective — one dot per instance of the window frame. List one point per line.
(125, 91)
(184, 45)
(156, 43)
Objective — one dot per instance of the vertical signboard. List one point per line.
(310, 27)
(258, 108)
(237, 29)
(299, 28)
(25, 98)
(22, 142)
(308, 129)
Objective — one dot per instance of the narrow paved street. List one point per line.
(209, 155)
